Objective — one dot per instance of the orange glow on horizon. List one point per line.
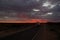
(24, 21)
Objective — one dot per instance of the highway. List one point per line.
(32, 31)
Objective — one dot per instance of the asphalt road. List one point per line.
(38, 32)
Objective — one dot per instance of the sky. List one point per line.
(45, 9)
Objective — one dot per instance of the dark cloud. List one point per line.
(18, 4)
(56, 8)
(28, 5)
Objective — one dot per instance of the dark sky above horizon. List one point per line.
(28, 5)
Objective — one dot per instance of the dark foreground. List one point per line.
(35, 31)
